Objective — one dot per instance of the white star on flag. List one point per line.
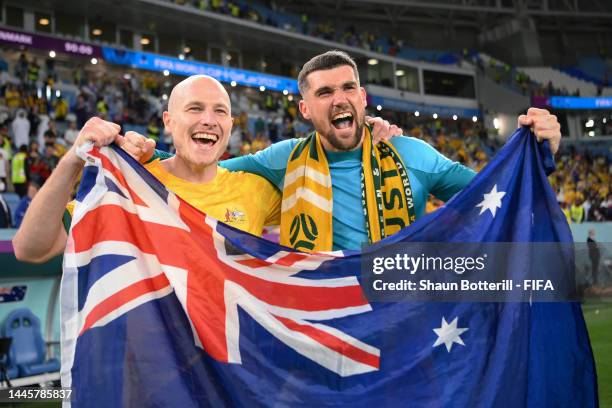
(491, 201)
(449, 334)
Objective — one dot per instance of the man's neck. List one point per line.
(190, 172)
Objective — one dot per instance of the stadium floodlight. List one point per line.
(416, 113)
(165, 97)
(145, 41)
(94, 61)
(127, 76)
(181, 56)
(262, 88)
(97, 32)
(590, 123)
(58, 93)
(378, 107)
(496, 123)
(474, 119)
(290, 98)
(399, 72)
(187, 50)
(166, 72)
(233, 83)
(604, 120)
(435, 116)
(455, 117)
(52, 54)
(44, 21)
(285, 92)
(372, 61)
(592, 133)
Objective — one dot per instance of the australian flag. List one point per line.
(164, 306)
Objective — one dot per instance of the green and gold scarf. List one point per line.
(306, 213)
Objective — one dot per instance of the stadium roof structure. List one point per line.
(165, 17)
(568, 15)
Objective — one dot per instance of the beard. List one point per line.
(343, 144)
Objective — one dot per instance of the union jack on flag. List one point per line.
(147, 253)
(164, 306)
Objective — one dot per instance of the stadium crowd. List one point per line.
(275, 14)
(38, 124)
(583, 186)
(508, 75)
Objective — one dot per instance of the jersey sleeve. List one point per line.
(159, 154)
(273, 204)
(269, 163)
(451, 181)
(441, 176)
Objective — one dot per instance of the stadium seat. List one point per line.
(27, 351)
(560, 79)
(12, 200)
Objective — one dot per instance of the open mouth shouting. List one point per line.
(345, 130)
(205, 139)
(343, 120)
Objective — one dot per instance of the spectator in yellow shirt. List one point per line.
(12, 97)
(61, 109)
(577, 211)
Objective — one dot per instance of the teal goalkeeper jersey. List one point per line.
(428, 171)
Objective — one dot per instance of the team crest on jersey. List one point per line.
(234, 216)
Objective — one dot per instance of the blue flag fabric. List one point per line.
(171, 308)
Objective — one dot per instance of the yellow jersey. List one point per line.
(242, 200)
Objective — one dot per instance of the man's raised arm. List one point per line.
(41, 235)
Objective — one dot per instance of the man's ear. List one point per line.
(364, 96)
(304, 109)
(167, 122)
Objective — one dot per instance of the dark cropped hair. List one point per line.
(328, 60)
